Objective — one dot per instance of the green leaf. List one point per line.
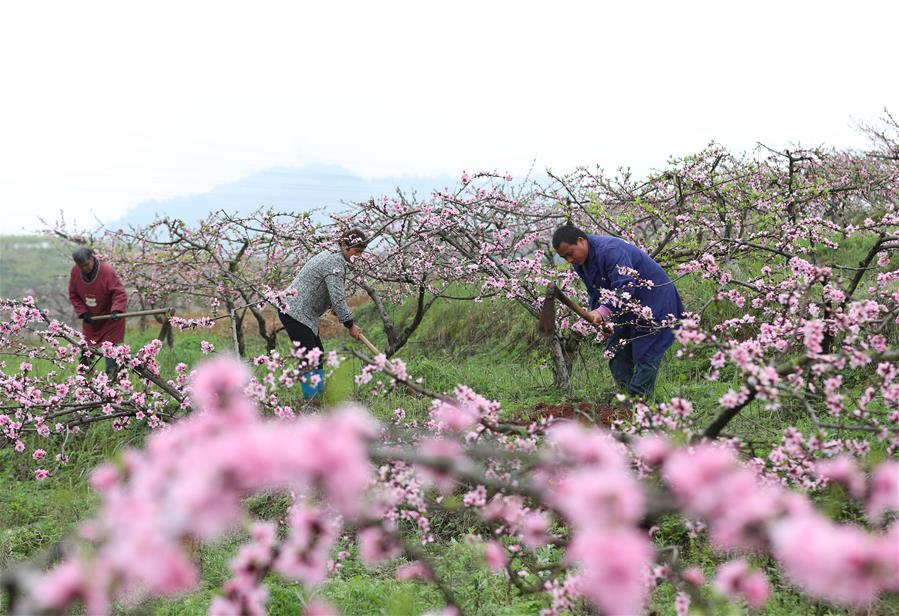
(339, 385)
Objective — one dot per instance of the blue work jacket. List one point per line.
(600, 271)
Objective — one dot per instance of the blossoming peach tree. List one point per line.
(46, 408)
(564, 509)
(224, 266)
(593, 494)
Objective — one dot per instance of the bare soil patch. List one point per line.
(597, 413)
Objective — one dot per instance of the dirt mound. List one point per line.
(583, 411)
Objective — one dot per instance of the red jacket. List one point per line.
(102, 295)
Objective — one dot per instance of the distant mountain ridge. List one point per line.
(284, 189)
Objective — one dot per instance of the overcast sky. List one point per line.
(107, 104)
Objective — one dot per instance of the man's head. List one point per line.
(84, 259)
(571, 244)
(352, 243)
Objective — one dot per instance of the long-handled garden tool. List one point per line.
(374, 351)
(136, 313)
(165, 333)
(547, 322)
(370, 346)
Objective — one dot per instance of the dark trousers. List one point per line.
(636, 379)
(297, 332)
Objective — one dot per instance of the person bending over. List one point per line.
(319, 285)
(609, 263)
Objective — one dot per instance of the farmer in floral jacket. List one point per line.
(319, 285)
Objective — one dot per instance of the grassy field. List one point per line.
(493, 348)
(32, 261)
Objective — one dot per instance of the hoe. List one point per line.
(547, 322)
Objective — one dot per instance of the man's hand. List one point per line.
(356, 332)
(86, 317)
(596, 316)
(115, 315)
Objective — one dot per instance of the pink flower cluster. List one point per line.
(604, 503)
(188, 484)
(840, 563)
(737, 580)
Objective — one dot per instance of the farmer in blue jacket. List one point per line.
(641, 309)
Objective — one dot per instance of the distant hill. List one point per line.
(286, 189)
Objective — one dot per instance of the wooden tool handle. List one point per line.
(136, 313)
(575, 307)
(370, 346)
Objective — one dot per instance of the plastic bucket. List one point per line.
(313, 383)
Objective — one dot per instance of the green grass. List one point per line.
(493, 348)
(32, 262)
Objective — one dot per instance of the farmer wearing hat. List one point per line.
(638, 340)
(94, 290)
(319, 285)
